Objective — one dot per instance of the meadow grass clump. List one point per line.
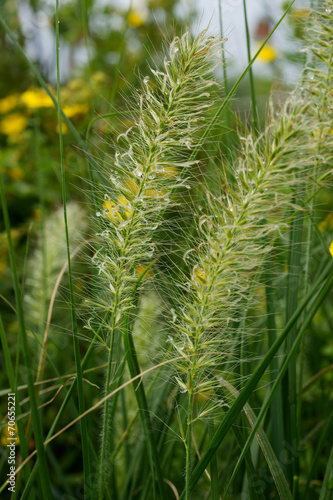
(234, 238)
(206, 294)
(151, 165)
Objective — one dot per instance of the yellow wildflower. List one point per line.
(64, 128)
(110, 210)
(200, 275)
(331, 248)
(267, 54)
(13, 124)
(327, 223)
(75, 109)
(6, 434)
(136, 19)
(8, 103)
(140, 268)
(36, 98)
(78, 88)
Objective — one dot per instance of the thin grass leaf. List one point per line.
(276, 413)
(289, 384)
(327, 432)
(326, 492)
(213, 466)
(140, 394)
(315, 304)
(270, 457)
(14, 389)
(44, 474)
(252, 87)
(83, 423)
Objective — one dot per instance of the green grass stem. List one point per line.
(252, 87)
(83, 423)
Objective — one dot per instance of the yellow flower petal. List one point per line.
(76, 84)
(327, 223)
(13, 124)
(64, 128)
(37, 214)
(300, 14)
(75, 109)
(204, 396)
(8, 103)
(200, 275)
(98, 78)
(267, 54)
(110, 211)
(331, 248)
(156, 193)
(38, 98)
(16, 173)
(136, 19)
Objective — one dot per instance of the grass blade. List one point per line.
(44, 473)
(289, 384)
(326, 492)
(13, 388)
(83, 422)
(318, 453)
(253, 92)
(252, 382)
(276, 413)
(140, 394)
(315, 304)
(272, 462)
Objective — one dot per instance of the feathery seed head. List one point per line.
(151, 161)
(236, 234)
